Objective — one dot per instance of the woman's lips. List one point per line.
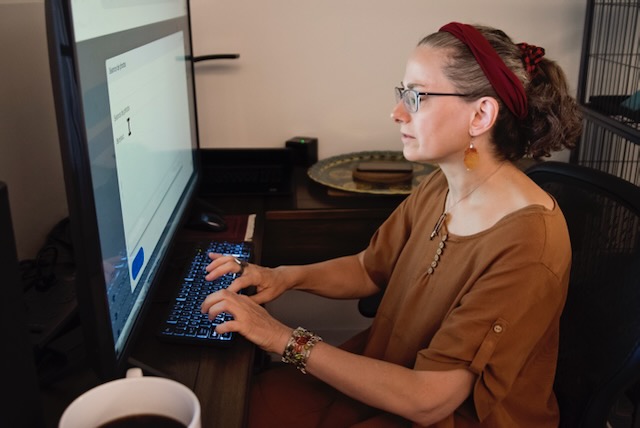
(406, 138)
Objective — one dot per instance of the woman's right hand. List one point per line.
(269, 282)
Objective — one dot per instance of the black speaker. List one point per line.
(305, 150)
(22, 403)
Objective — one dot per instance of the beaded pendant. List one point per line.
(438, 255)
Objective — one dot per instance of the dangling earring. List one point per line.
(471, 157)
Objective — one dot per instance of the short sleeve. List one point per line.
(496, 327)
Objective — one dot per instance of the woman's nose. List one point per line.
(399, 113)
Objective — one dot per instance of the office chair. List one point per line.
(599, 355)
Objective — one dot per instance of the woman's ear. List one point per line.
(484, 116)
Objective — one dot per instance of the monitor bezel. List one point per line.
(91, 296)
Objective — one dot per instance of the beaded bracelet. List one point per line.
(299, 347)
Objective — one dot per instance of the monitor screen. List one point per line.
(122, 75)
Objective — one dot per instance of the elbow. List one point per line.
(428, 410)
(440, 394)
(428, 416)
(436, 395)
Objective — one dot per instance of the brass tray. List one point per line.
(337, 173)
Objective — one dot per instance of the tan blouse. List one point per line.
(488, 302)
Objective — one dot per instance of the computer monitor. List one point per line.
(122, 74)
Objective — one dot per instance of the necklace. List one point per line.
(443, 216)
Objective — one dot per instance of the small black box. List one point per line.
(305, 150)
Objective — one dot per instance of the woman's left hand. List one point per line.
(249, 319)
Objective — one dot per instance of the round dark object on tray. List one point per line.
(381, 177)
(337, 172)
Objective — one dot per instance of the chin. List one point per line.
(411, 154)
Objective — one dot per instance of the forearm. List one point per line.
(420, 396)
(340, 278)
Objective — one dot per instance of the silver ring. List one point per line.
(241, 263)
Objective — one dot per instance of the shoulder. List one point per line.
(533, 234)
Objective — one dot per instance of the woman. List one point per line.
(474, 263)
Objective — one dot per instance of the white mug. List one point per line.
(133, 395)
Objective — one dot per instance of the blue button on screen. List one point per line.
(137, 263)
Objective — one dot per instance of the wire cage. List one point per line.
(609, 89)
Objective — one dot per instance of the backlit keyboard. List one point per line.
(185, 322)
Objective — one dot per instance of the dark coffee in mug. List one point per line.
(143, 421)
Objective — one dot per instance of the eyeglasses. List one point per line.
(411, 98)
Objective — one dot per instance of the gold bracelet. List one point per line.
(299, 347)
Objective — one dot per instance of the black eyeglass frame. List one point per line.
(401, 91)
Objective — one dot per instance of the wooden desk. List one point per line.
(318, 223)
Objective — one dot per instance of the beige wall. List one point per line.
(327, 68)
(323, 68)
(29, 152)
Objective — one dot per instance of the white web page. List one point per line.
(149, 105)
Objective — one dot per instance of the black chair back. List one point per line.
(599, 357)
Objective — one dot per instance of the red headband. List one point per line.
(506, 84)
